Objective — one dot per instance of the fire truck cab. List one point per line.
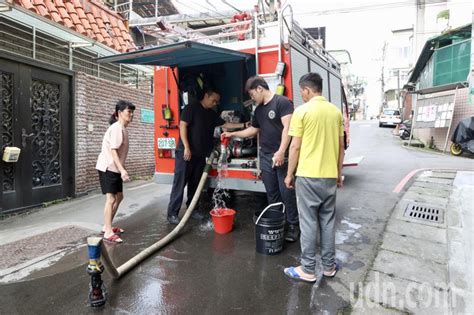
(280, 51)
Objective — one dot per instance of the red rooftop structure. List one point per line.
(88, 17)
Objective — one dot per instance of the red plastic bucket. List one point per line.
(223, 220)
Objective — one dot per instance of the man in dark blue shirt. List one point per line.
(271, 121)
(196, 131)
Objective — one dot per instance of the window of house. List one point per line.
(452, 63)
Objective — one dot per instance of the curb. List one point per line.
(401, 288)
(23, 270)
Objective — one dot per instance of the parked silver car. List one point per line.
(389, 117)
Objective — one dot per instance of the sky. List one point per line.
(362, 27)
(359, 26)
(362, 33)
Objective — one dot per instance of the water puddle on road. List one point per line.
(342, 236)
(351, 225)
(425, 174)
(53, 263)
(345, 234)
(23, 272)
(343, 256)
(206, 226)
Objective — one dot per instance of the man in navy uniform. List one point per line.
(271, 121)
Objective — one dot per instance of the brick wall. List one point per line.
(94, 103)
(462, 109)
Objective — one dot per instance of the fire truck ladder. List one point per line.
(305, 39)
(261, 26)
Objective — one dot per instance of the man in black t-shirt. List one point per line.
(196, 131)
(271, 121)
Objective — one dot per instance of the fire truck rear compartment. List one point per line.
(235, 106)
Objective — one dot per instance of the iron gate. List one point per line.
(36, 116)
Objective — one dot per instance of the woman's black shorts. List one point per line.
(110, 182)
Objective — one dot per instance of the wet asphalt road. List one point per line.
(205, 273)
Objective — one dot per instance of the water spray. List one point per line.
(223, 152)
(220, 193)
(222, 217)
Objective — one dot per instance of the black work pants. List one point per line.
(274, 182)
(186, 173)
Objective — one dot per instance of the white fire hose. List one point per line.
(117, 272)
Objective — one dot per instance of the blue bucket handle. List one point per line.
(269, 206)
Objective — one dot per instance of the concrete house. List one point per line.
(439, 86)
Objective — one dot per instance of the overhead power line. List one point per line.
(381, 6)
(205, 9)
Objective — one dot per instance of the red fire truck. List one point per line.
(280, 51)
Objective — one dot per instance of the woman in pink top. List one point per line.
(111, 166)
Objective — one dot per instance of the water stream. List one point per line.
(220, 193)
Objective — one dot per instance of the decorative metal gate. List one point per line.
(36, 116)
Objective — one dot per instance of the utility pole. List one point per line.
(382, 77)
(398, 89)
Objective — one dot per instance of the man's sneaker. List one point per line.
(173, 219)
(293, 233)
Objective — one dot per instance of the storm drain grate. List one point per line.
(424, 212)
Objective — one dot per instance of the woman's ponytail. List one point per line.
(113, 118)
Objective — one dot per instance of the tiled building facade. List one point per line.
(462, 109)
(440, 80)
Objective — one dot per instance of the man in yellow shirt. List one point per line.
(316, 154)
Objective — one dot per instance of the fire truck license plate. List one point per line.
(166, 143)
